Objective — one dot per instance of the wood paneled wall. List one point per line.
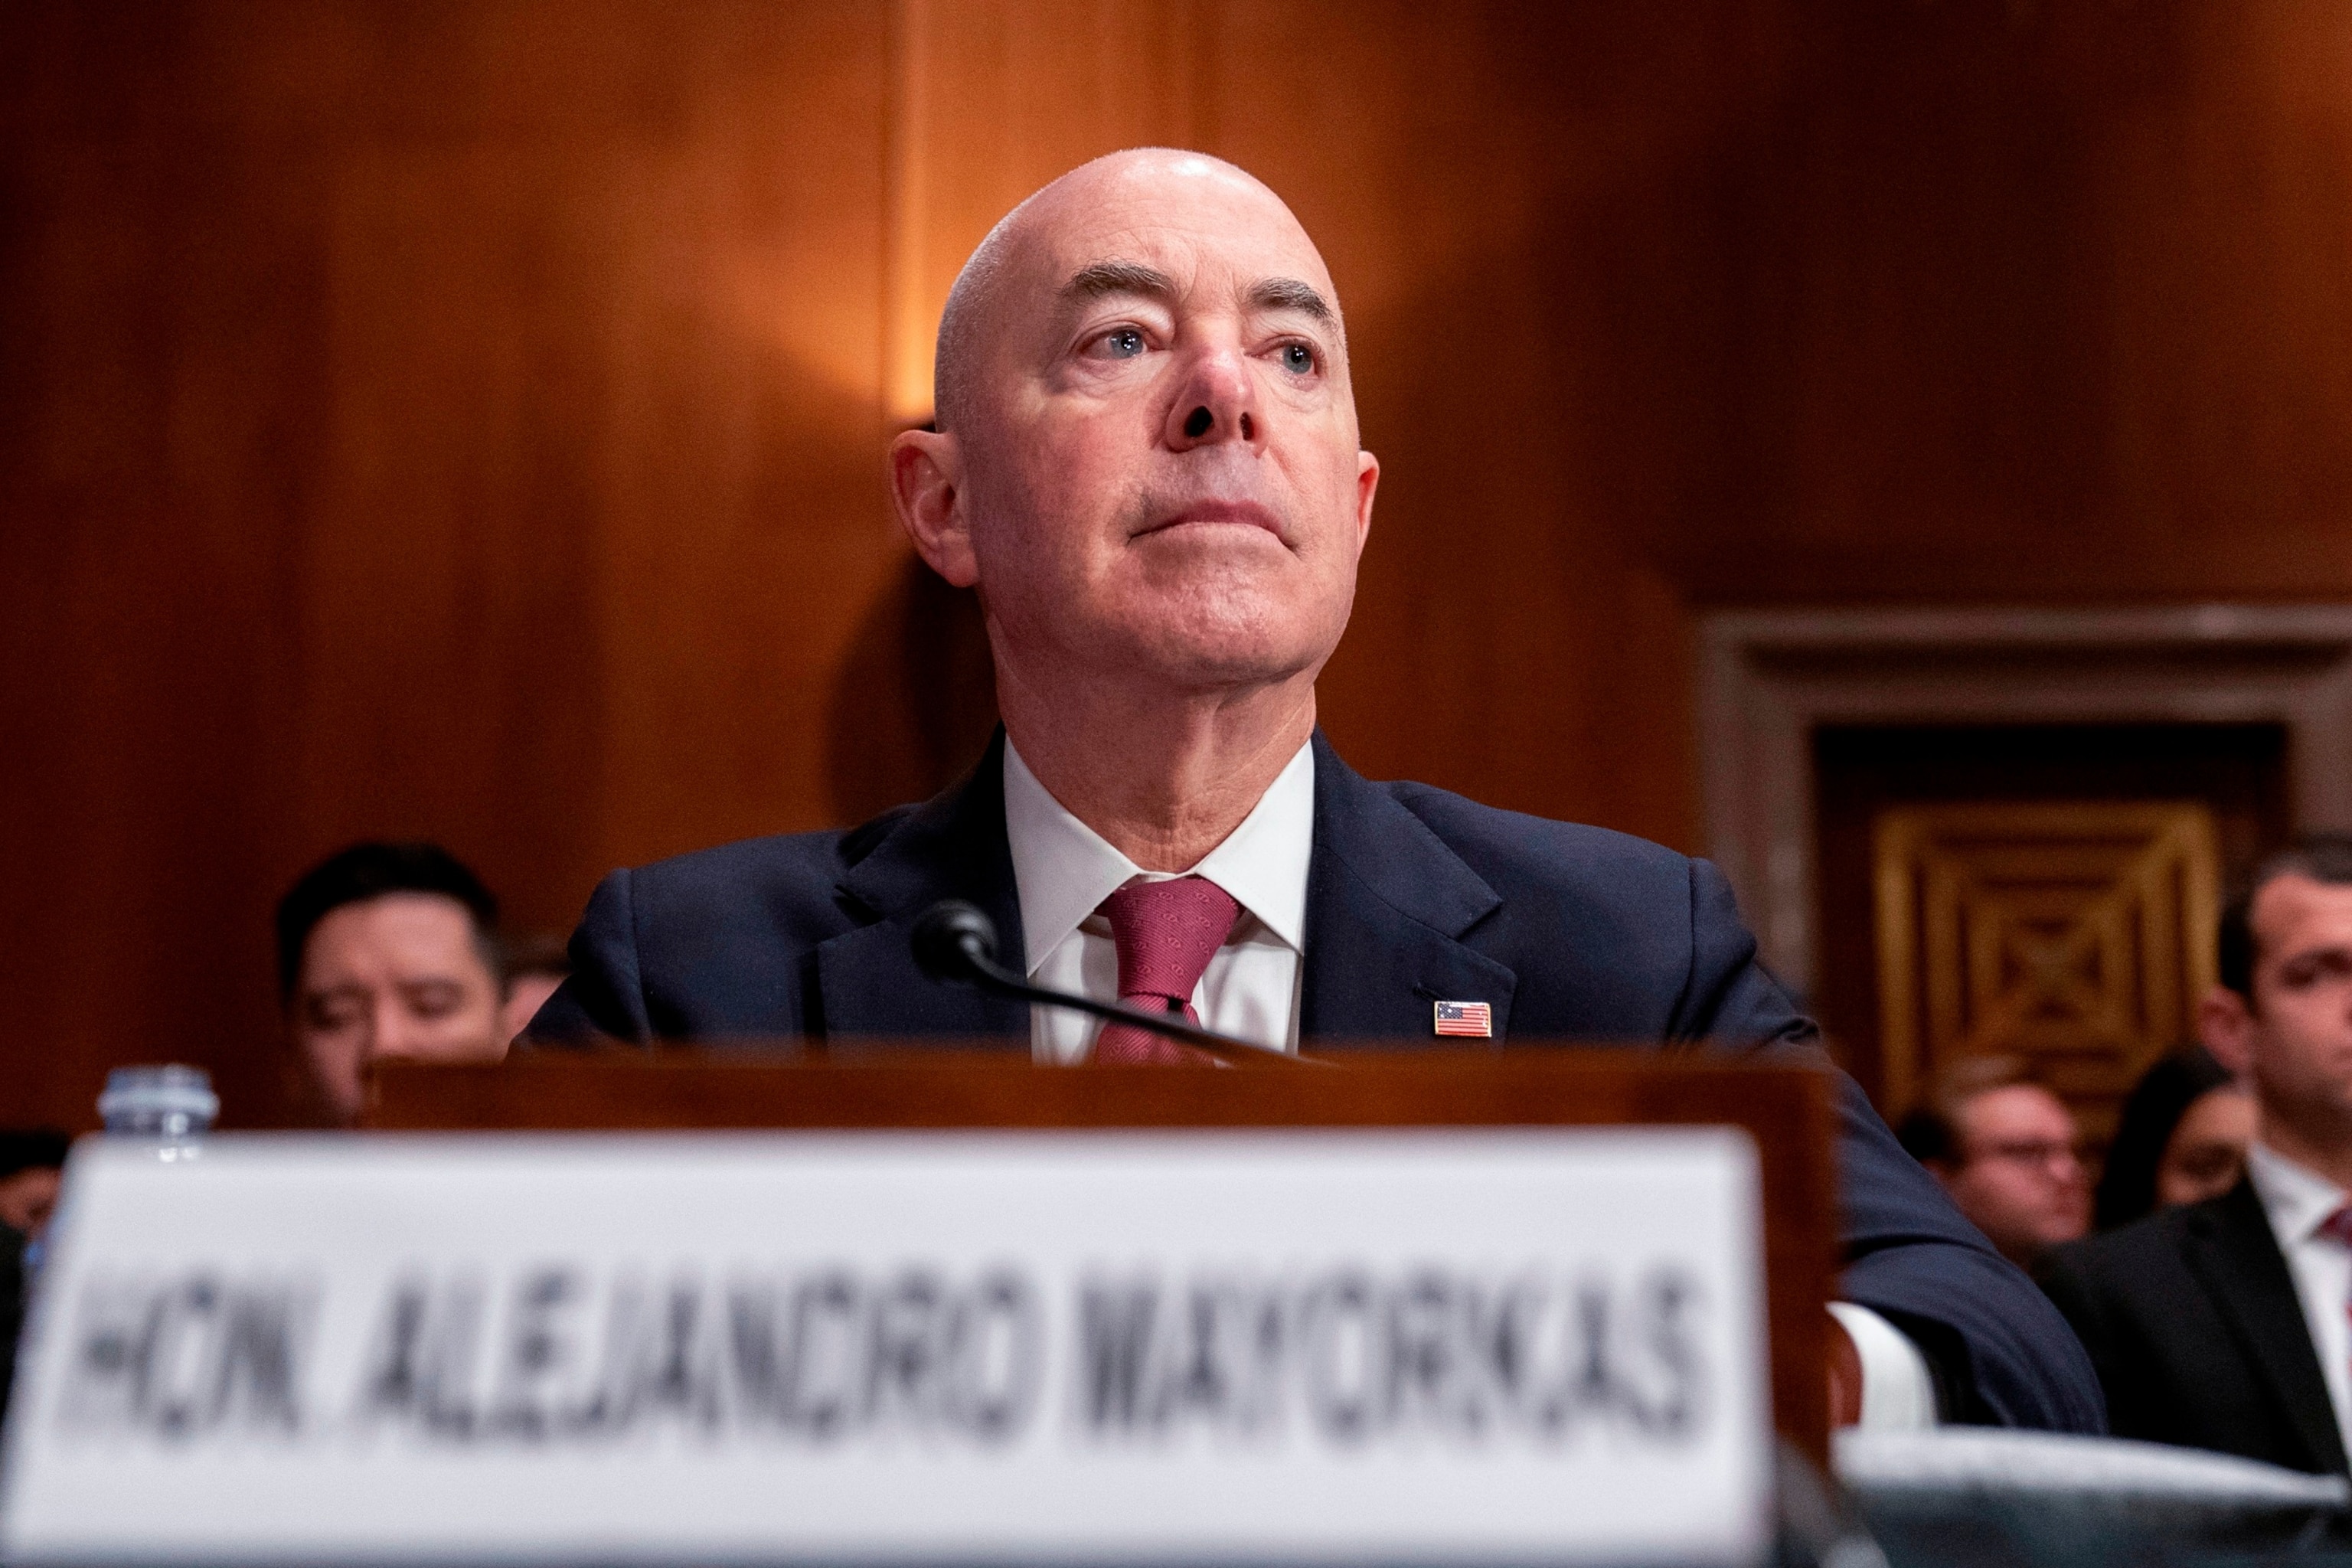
(466, 420)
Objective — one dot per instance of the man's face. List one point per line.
(399, 977)
(2017, 1177)
(2294, 1042)
(1161, 478)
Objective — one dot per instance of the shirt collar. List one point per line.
(1063, 869)
(2298, 1199)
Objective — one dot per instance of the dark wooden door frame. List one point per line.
(1769, 679)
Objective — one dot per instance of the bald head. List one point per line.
(989, 287)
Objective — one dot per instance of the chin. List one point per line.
(1212, 652)
(1214, 664)
(1230, 632)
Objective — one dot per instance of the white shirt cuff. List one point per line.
(1898, 1393)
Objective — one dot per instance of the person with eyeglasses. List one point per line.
(2006, 1151)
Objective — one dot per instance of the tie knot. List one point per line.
(1166, 932)
(2338, 1226)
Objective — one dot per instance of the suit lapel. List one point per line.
(953, 847)
(1386, 902)
(2231, 1250)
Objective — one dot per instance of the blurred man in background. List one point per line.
(2224, 1324)
(32, 1164)
(2004, 1147)
(387, 952)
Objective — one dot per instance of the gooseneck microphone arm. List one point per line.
(955, 944)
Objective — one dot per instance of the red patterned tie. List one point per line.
(1166, 934)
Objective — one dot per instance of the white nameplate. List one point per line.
(1293, 1347)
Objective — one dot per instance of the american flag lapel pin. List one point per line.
(1467, 1020)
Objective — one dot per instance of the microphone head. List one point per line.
(951, 939)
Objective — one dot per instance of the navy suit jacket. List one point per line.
(1413, 894)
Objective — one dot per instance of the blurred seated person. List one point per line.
(2224, 1324)
(2181, 1139)
(32, 1165)
(2005, 1148)
(537, 966)
(386, 952)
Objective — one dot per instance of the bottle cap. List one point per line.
(151, 1099)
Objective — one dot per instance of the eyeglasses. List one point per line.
(2043, 1152)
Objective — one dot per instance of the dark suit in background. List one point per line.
(2193, 1322)
(12, 1307)
(1413, 895)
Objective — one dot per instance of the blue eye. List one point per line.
(1124, 343)
(1297, 359)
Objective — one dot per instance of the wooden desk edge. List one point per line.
(1785, 1106)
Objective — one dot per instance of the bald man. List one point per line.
(1146, 462)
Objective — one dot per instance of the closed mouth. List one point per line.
(1247, 514)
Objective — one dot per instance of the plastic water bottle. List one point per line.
(171, 1105)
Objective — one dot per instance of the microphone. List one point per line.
(955, 944)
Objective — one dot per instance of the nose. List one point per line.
(393, 1036)
(1216, 403)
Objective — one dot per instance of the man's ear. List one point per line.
(1368, 481)
(2225, 1025)
(926, 488)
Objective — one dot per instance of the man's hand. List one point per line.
(1845, 1377)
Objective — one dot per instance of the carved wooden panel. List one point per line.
(2077, 934)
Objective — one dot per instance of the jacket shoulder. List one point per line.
(1514, 846)
(710, 944)
(700, 922)
(1610, 936)
(782, 864)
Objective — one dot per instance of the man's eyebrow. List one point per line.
(1097, 278)
(1290, 294)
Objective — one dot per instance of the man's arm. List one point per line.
(602, 999)
(2000, 1351)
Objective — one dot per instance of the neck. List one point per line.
(1163, 781)
(2323, 1150)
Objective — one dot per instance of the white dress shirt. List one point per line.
(2298, 1201)
(1063, 870)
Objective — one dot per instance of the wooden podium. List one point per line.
(1785, 1108)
